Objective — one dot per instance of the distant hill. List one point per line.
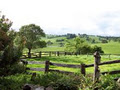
(109, 44)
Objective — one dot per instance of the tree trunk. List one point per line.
(29, 53)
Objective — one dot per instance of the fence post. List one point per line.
(109, 56)
(76, 53)
(47, 66)
(33, 76)
(96, 74)
(58, 53)
(65, 53)
(83, 69)
(40, 54)
(49, 54)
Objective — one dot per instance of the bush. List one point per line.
(57, 81)
(96, 48)
(15, 82)
(13, 69)
(17, 68)
(107, 83)
(59, 40)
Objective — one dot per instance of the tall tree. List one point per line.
(9, 54)
(32, 34)
(77, 46)
(5, 25)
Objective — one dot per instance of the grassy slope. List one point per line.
(112, 47)
(108, 48)
(54, 40)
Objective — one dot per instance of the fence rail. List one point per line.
(104, 63)
(58, 53)
(83, 67)
(73, 66)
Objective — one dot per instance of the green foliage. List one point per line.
(107, 83)
(74, 82)
(4, 40)
(70, 36)
(96, 48)
(32, 33)
(12, 34)
(40, 44)
(104, 41)
(10, 54)
(77, 46)
(14, 82)
(13, 69)
(5, 23)
(58, 81)
(49, 42)
(17, 68)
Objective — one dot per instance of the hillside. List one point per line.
(110, 45)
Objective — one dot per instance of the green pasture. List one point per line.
(110, 48)
(77, 60)
(53, 40)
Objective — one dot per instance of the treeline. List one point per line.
(89, 38)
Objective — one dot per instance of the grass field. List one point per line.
(77, 60)
(108, 48)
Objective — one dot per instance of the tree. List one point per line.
(9, 54)
(5, 25)
(96, 48)
(49, 42)
(70, 36)
(4, 40)
(77, 46)
(104, 41)
(32, 33)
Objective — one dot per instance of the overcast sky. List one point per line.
(96, 17)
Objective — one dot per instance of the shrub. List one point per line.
(15, 82)
(57, 81)
(107, 83)
(96, 48)
(17, 68)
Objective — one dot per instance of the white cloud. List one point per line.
(61, 16)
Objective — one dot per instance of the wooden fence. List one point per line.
(47, 53)
(83, 67)
(59, 53)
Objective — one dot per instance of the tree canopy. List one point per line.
(79, 46)
(9, 54)
(32, 34)
(5, 25)
(76, 45)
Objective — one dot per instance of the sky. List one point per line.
(93, 17)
